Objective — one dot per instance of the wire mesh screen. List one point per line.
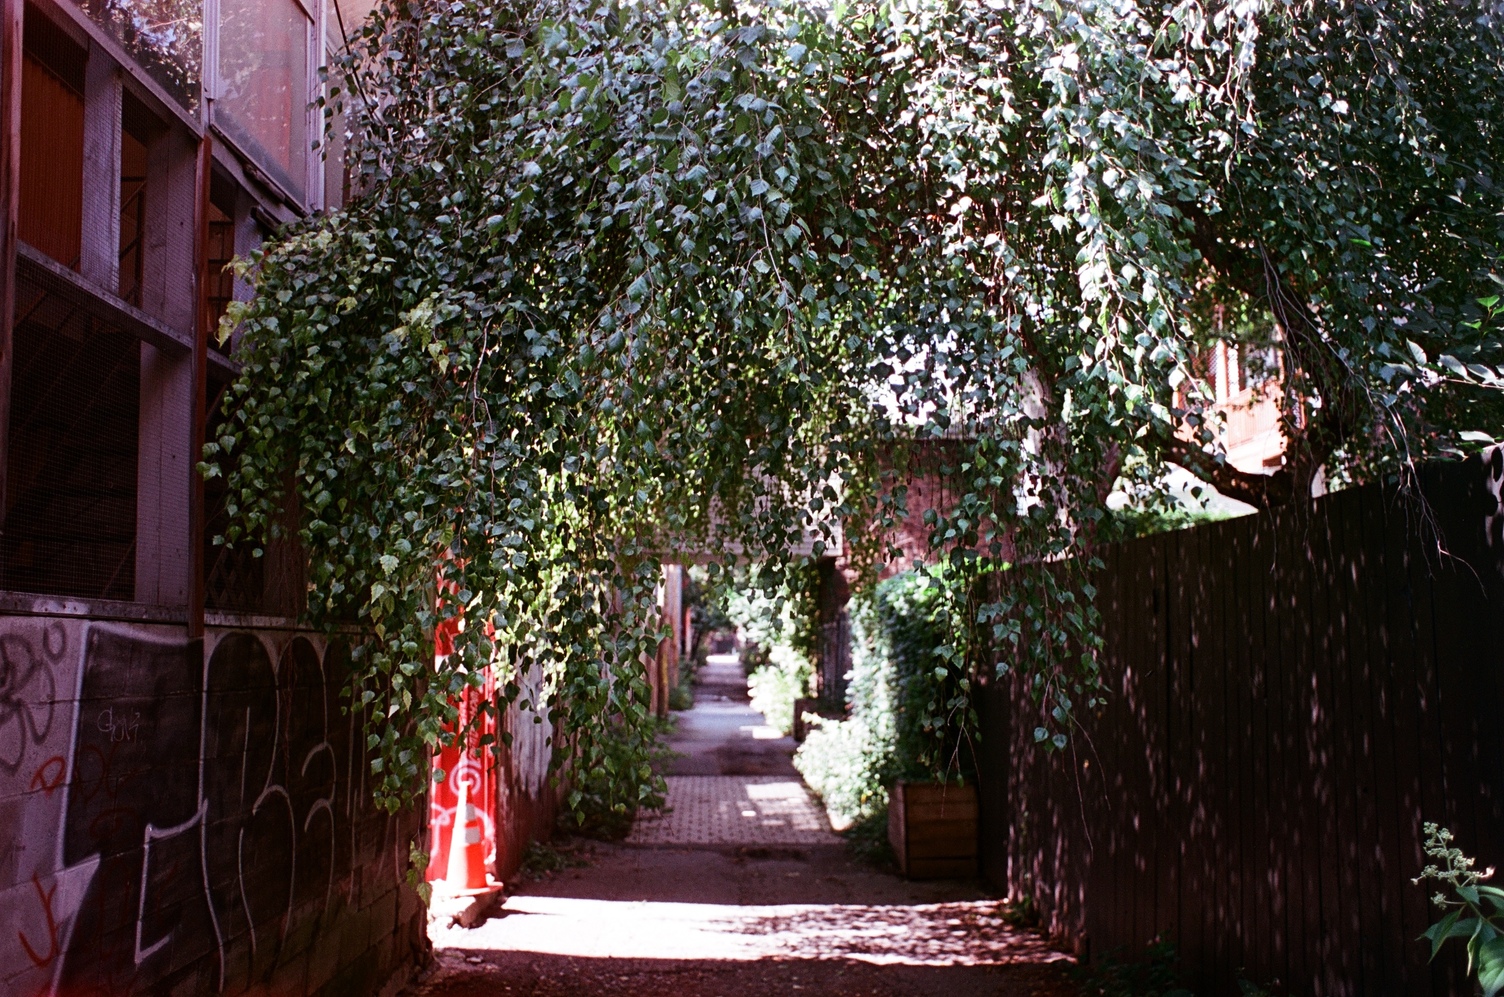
(70, 516)
(221, 290)
(234, 579)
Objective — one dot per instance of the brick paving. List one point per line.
(731, 781)
(736, 810)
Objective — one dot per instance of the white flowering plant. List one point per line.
(1475, 910)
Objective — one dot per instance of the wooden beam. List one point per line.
(11, 19)
(46, 273)
(99, 259)
(196, 595)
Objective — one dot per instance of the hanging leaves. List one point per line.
(631, 283)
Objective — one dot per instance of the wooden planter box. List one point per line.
(817, 707)
(933, 830)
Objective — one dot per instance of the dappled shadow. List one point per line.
(744, 920)
(464, 973)
(740, 889)
(945, 934)
(1290, 696)
(735, 810)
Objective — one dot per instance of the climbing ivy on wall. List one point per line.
(625, 281)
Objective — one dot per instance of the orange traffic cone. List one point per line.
(467, 848)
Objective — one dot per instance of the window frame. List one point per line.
(264, 173)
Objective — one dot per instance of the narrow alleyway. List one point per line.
(739, 890)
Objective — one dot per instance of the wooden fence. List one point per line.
(1293, 694)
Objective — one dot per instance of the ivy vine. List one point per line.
(627, 283)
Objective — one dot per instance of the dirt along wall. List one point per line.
(191, 816)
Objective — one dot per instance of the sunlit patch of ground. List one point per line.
(968, 933)
(740, 890)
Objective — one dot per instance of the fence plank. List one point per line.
(1178, 633)
(1210, 706)
(1292, 694)
(1377, 675)
(1303, 865)
(1262, 945)
(1364, 856)
(1338, 734)
(1148, 729)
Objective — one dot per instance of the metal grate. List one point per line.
(234, 580)
(70, 516)
(133, 197)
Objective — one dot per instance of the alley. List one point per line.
(739, 888)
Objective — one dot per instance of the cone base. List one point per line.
(441, 888)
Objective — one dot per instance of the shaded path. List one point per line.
(741, 890)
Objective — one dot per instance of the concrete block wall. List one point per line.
(191, 817)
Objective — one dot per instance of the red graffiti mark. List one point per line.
(45, 896)
(50, 774)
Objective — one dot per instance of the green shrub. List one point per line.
(1154, 973)
(923, 624)
(596, 810)
(844, 761)
(682, 696)
(774, 686)
(543, 858)
(775, 618)
(771, 612)
(1474, 911)
(904, 677)
(849, 763)
(1142, 520)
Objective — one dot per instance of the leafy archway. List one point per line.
(623, 281)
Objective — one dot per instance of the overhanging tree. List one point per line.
(625, 281)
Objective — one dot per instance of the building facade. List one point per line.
(183, 802)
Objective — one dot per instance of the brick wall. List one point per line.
(191, 816)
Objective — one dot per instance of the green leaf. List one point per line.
(1490, 966)
(1451, 926)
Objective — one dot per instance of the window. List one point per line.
(263, 95)
(165, 36)
(50, 216)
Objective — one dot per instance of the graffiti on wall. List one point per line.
(171, 809)
(28, 694)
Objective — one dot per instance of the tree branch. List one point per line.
(1262, 491)
(1309, 441)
